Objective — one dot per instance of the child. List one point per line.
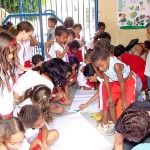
(52, 22)
(73, 48)
(14, 139)
(77, 29)
(71, 35)
(69, 22)
(81, 79)
(37, 60)
(8, 48)
(101, 26)
(58, 50)
(37, 134)
(148, 31)
(40, 96)
(124, 80)
(74, 62)
(25, 30)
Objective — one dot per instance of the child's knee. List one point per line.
(53, 135)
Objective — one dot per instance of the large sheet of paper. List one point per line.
(75, 133)
(81, 97)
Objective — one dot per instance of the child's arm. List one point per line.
(118, 68)
(46, 45)
(33, 41)
(118, 145)
(94, 98)
(44, 132)
(34, 143)
(18, 65)
(61, 55)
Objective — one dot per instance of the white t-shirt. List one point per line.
(6, 97)
(81, 78)
(56, 47)
(30, 79)
(147, 66)
(28, 50)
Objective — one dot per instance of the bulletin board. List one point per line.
(133, 14)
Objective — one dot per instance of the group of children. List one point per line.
(31, 87)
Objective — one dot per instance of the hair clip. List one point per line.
(44, 96)
(13, 42)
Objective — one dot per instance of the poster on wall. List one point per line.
(133, 14)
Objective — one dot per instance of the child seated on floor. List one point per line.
(82, 80)
(72, 79)
(37, 134)
(13, 137)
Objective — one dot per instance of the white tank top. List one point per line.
(111, 73)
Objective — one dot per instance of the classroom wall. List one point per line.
(108, 14)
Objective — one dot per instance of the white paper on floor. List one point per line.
(75, 133)
(81, 97)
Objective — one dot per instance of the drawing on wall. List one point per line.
(133, 14)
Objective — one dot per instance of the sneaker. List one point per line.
(111, 130)
(102, 126)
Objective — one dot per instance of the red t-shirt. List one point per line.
(137, 64)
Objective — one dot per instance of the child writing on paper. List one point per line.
(58, 49)
(82, 80)
(37, 134)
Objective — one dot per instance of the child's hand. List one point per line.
(48, 56)
(66, 49)
(83, 106)
(109, 102)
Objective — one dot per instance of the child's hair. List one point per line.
(105, 43)
(69, 22)
(73, 60)
(7, 39)
(147, 44)
(71, 32)
(100, 24)
(53, 19)
(55, 69)
(15, 126)
(77, 25)
(25, 25)
(99, 53)
(36, 59)
(102, 35)
(9, 23)
(4, 128)
(88, 70)
(118, 50)
(135, 124)
(41, 95)
(60, 30)
(29, 114)
(74, 44)
(69, 67)
(5, 27)
(87, 54)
